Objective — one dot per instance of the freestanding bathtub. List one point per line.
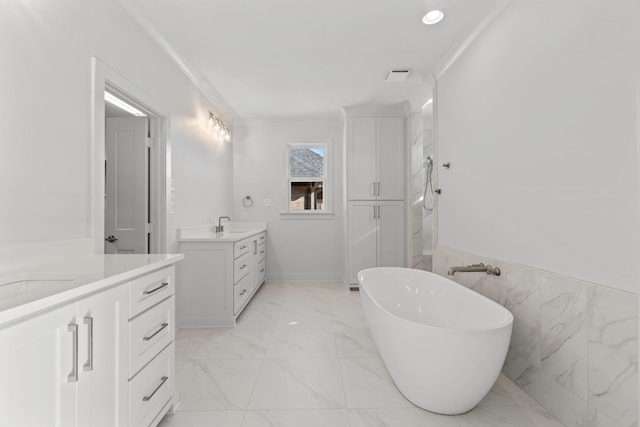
(443, 344)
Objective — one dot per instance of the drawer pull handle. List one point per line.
(243, 292)
(73, 376)
(89, 322)
(162, 327)
(243, 266)
(262, 270)
(163, 285)
(243, 247)
(261, 252)
(162, 381)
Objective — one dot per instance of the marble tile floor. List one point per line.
(301, 356)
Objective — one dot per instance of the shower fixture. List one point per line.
(428, 185)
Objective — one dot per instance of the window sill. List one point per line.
(306, 215)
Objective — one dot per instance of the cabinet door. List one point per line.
(103, 352)
(205, 294)
(361, 158)
(391, 148)
(36, 359)
(253, 264)
(362, 237)
(390, 238)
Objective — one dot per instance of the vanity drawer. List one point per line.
(241, 293)
(149, 333)
(240, 248)
(152, 388)
(262, 249)
(240, 267)
(149, 290)
(262, 270)
(262, 238)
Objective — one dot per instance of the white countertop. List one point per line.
(38, 288)
(233, 232)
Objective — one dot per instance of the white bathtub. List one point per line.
(443, 344)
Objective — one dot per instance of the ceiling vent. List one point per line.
(398, 75)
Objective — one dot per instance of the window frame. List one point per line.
(327, 190)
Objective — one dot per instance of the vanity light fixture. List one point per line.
(217, 126)
(433, 17)
(117, 102)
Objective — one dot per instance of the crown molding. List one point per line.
(223, 109)
(463, 43)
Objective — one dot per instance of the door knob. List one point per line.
(111, 239)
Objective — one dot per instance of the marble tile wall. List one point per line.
(574, 346)
(417, 180)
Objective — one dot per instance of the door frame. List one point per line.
(104, 77)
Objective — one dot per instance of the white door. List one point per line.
(126, 178)
(361, 158)
(103, 347)
(36, 359)
(362, 237)
(390, 132)
(391, 234)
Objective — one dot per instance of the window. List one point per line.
(307, 178)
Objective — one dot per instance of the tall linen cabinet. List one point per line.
(375, 177)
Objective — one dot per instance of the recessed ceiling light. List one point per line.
(433, 17)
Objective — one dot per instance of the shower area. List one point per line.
(422, 187)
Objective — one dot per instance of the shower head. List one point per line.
(428, 161)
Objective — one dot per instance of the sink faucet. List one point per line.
(220, 227)
(494, 271)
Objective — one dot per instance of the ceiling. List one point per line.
(113, 111)
(301, 58)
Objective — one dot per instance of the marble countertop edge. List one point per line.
(86, 276)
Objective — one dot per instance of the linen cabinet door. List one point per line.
(362, 237)
(391, 155)
(103, 352)
(390, 238)
(361, 158)
(37, 382)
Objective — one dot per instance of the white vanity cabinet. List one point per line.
(64, 367)
(219, 276)
(151, 367)
(98, 354)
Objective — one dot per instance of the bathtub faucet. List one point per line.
(494, 271)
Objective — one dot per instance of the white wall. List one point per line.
(538, 121)
(45, 83)
(297, 249)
